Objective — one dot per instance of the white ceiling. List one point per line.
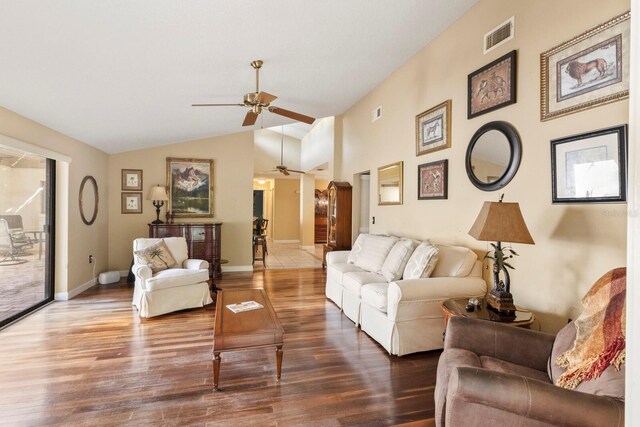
(121, 75)
(296, 130)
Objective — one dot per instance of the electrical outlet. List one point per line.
(90, 259)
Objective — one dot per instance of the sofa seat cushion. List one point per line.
(454, 261)
(374, 252)
(396, 261)
(175, 277)
(335, 272)
(375, 294)
(354, 281)
(498, 365)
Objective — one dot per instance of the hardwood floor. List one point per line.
(92, 361)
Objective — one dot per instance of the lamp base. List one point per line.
(157, 221)
(501, 301)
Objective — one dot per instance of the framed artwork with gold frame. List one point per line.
(589, 70)
(190, 187)
(433, 129)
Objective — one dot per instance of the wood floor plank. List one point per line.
(93, 361)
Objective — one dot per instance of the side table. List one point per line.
(457, 307)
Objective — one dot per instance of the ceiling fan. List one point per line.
(258, 101)
(281, 167)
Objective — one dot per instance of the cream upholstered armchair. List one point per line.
(166, 280)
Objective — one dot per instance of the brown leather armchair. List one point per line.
(493, 374)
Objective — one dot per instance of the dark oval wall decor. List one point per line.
(500, 150)
(94, 185)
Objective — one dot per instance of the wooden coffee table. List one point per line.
(245, 330)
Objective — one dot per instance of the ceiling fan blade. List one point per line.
(285, 172)
(266, 98)
(217, 105)
(292, 115)
(293, 170)
(250, 118)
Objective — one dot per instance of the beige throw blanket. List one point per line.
(600, 331)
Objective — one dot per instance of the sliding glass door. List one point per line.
(27, 201)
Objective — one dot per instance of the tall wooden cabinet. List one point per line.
(203, 241)
(338, 219)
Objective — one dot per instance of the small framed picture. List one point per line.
(589, 70)
(590, 167)
(492, 86)
(131, 179)
(433, 129)
(131, 203)
(433, 180)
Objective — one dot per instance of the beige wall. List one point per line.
(321, 184)
(574, 244)
(286, 210)
(267, 153)
(75, 241)
(318, 145)
(233, 175)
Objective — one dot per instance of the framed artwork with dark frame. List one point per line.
(433, 129)
(590, 167)
(433, 180)
(131, 180)
(131, 203)
(492, 86)
(589, 70)
(190, 187)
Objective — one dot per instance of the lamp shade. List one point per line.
(157, 192)
(501, 222)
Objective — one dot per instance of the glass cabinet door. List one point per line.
(332, 212)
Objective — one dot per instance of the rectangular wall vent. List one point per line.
(376, 114)
(499, 35)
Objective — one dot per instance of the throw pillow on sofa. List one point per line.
(157, 257)
(374, 252)
(356, 249)
(397, 259)
(422, 261)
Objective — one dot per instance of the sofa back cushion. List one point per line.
(610, 383)
(374, 252)
(356, 249)
(455, 261)
(422, 262)
(394, 265)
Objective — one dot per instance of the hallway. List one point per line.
(290, 255)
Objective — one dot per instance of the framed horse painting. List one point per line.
(433, 129)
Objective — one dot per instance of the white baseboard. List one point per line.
(65, 296)
(286, 241)
(308, 248)
(235, 268)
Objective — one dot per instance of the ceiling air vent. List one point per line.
(376, 114)
(499, 35)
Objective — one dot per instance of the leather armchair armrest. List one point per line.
(195, 264)
(519, 396)
(505, 342)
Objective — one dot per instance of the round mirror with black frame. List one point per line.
(493, 155)
(88, 200)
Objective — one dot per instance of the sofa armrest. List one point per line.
(336, 257)
(142, 273)
(413, 293)
(195, 264)
(502, 341)
(514, 395)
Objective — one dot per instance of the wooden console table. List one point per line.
(203, 241)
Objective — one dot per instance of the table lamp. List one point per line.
(158, 195)
(501, 222)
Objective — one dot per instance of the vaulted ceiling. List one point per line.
(122, 75)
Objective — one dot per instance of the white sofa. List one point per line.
(403, 315)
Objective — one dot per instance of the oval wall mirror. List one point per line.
(89, 199)
(493, 156)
